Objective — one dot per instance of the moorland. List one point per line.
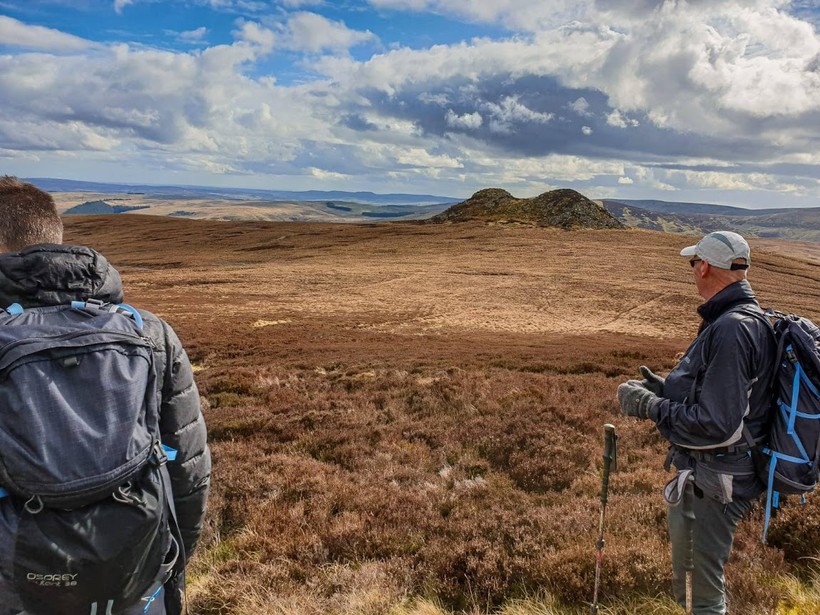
(407, 418)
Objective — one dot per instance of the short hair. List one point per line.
(28, 215)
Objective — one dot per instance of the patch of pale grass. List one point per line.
(534, 606)
(417, 606)
(660, 605)
(800, 597)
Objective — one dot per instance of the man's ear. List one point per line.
(705, 267)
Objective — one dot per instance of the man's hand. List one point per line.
(636, 400)
(652, 381)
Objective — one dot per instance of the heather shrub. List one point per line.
(794, 528)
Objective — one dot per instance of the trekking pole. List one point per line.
(689, 559)
(610, 465)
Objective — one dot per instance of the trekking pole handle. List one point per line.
(610, 458)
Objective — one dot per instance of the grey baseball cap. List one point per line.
(719, 249)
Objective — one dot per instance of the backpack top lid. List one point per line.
(803, 336)
(95, 421)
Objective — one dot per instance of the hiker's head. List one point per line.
(27, 216)
(718, 260)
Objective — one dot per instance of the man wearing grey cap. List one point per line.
(712, 408)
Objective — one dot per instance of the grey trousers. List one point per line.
(713, 531)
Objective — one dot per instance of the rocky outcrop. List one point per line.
(563, 208)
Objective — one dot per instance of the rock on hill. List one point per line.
(564, 208)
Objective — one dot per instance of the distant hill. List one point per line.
(698, 218)
(563, 208)
(101, 207)
(204, 192)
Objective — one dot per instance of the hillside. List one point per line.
(400, 410)
(101, 207)
(235, 209)
(563, 208)
(697, 219)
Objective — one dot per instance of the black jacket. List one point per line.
(723, 381)
(55, 275)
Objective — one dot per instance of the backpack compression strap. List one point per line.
(16, 309)
(114, 308)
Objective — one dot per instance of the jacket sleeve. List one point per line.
(715, 419)
(183, 428)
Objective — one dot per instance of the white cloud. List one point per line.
(580, 106)
(509, 111)
(193, 36)
(619, 120)
(625, 181)
(587, 130)
(420, 157)
(314, 33)
(119, 5)
(468, 121)
(18, 34)
(252, 32)
(322, 174)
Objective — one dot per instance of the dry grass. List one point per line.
(417, 426)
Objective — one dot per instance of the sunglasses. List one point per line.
(693, 261)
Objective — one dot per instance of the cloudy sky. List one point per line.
(680, 100)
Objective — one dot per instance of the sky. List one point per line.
(679, 100)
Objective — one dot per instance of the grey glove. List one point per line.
(636, 400)
(652, 381)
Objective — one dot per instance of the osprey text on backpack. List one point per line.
(86, 514)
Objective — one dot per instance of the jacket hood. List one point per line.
(51, 274)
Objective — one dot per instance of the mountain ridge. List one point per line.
(796, 223)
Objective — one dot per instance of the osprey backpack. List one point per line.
(789, 460)
(86, 513)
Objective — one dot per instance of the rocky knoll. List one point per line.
(563, 208)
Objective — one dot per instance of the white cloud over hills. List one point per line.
(715, 100)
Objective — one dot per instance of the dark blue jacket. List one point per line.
(722, 383)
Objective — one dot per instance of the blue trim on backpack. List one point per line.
(133, 311)
(790, 415)
(150, 599)
(14, 309)
(3, 493)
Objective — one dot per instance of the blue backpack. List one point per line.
(86, 513)
(789, 460)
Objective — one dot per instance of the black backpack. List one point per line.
(788, 461)
(86, 513)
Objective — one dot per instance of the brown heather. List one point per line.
(408, 418)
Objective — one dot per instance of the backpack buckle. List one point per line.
(158, 455)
